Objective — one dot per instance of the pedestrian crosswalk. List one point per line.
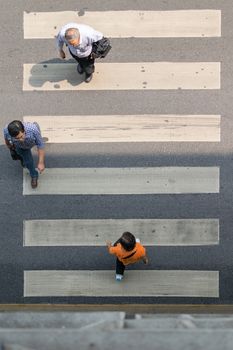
(105, 128)
(152, 232)
(161, 180)
(127, 24)
(129, 128)
(137, 283)
(124, 76)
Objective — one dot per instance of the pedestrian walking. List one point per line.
(20, 138)
(79, 38)
(128, 250)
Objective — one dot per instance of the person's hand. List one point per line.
(9, 144)
(41, 167)
(93, 56)
(62, 54)
(109, 244)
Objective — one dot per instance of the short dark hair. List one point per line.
(128, 241)
(15, 127)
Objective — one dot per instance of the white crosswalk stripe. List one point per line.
(137, 283)
(159, 232)
(129, 128)
(151, 180)
(127, 24)
(124, 76)
(142, 76)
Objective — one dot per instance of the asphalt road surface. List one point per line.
(187, 272)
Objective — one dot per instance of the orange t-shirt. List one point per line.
(122, 254)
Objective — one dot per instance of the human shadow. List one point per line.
(55, 71)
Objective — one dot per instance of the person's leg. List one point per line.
(120, 268)
(28, 161)
(88, 65)
(79, 67)
(85, 65)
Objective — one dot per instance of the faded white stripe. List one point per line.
(124, 76)
(126, 24)
(151, 232)
(129, 128)
(136, 283)
(125, 181)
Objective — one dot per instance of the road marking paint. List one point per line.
(123, 76)
(126, 24)
(129, 128)
(136, 283)
(151, 232)
(152, 180)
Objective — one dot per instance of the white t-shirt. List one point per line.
(88, 36)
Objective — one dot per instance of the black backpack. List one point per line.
(101, 48)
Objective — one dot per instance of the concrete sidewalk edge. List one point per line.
(128, 308)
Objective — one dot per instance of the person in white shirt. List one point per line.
(79, 39)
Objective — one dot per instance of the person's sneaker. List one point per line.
(119, 277)
(34, 182)
(79, 69)
(88, 78)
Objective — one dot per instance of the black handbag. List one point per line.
(101, 48)
(15, 155)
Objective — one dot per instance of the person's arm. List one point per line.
(111, 248)
(108, 244)
(40, 148)
(7, 139)
(62, 53)
(8, 144)
(60, 44)
(41, 163)
(96, 36)
(145, 259)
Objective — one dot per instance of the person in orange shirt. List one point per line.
(128, 250)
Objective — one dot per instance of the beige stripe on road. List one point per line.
(151, 232)
(123, 76)
(136, 283)
(125, 24)
(129, 128)
(157, 180)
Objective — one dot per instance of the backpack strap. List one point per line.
(129, 256)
